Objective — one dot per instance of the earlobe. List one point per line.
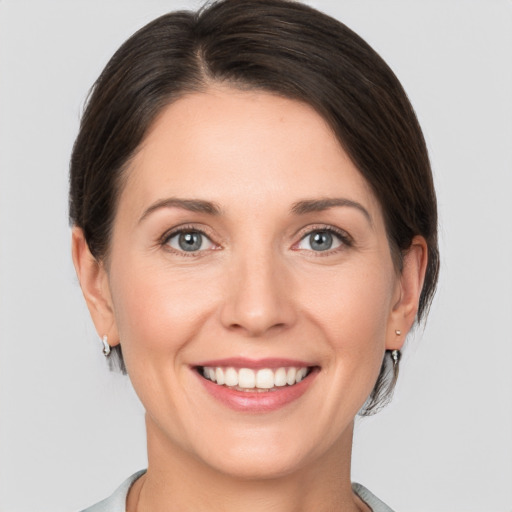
(93, 279)
(412, 277)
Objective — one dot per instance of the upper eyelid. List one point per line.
(185, 228)
(342, 233)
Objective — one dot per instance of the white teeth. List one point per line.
(231, 377)
(290, 376)
(219, 376)
(280, 377)
(301, 374)
(246, 378)
(265, 379)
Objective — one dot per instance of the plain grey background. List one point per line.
(70, 431)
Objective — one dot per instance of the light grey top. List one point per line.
(117, 502)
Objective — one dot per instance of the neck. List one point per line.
(177, 481)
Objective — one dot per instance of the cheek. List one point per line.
(157, 311)
(353, 317)
(354, 300)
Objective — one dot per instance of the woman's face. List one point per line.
(247, 248)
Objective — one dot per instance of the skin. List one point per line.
(256, 289)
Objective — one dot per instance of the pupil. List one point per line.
(321, 241)
(190, 241)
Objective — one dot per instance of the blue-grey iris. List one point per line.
(190, 241)
(320, 240)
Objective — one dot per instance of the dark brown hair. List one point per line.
(279, 46)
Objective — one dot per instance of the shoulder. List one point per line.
(370, 499)
(117, 501)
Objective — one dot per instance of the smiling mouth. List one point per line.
(251, 380)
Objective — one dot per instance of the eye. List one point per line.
(190, 241)
(322, 240)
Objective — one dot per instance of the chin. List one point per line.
(258, 453)
(259, 465)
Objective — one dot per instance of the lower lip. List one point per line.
(257, 402)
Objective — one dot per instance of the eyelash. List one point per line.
(164, 240)
(345, 239)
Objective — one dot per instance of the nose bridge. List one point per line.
(257, 297)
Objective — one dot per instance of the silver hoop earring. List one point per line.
(106, 346)
(395, 356)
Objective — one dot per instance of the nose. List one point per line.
(258, 296)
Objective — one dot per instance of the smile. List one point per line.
(261, 380)
(256, 386)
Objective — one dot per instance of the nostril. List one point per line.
(254, 330)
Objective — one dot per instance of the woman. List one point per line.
(255, 235)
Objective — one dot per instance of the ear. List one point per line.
(403, 314)
(93, 279)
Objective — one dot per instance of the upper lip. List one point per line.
(242, 362)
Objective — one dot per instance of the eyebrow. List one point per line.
(299, 208)
(319, 205)
(192, 205)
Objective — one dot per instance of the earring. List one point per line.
(398, 332)
(395, 356)
(106, 346)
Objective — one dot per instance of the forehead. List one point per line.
(228, 145)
